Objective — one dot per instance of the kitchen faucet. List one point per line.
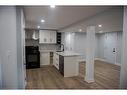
(62, 46)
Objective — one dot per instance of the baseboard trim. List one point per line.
(45, 65)
(118, 64)
(89, 80)
(81, 60)
(100, 59)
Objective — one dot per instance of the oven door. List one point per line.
(32, 61)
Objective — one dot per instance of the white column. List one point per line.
(90, 48)
(123, 73)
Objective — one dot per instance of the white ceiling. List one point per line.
(59, 17)
(111, 20)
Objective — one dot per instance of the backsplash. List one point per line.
(48, 47)
(31, 42)
(42, 46)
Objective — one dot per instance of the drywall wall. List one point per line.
(80, 44)
(68, 39)
(123, 72)
(11, 48)
(0, 74)
(8, 47)
(0, 67)
(20, 47)
(119, 47)
(102, 45)
(77, 42)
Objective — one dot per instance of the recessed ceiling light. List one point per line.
(99, 25)
(38, 26)
(42, 20)
(52, 6)
(80, 30)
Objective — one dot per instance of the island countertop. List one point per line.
(68, 53)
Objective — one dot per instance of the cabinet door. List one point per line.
(45, 58)
(57, 61)
(44, 36)
(54, 59)
(47, 36)
(52, 36)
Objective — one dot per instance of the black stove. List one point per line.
(32, 57)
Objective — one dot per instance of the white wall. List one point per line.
(77, 42)
(0, 74)
(102, 43)
(123, 73)
(11, 47)
(20, 47)
(80, 44)
(68, 39)
(8, 46)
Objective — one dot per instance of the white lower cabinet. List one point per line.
(67, 65)
(71, 66)
(45, 58)
(56, 60)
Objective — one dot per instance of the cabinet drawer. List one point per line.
(56, 61)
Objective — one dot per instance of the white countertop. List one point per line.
(47, 50)
(68, 53)
(65, 53)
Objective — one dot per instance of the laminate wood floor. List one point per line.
(48, 77)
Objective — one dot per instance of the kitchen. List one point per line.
(62, 48)
(51, 51)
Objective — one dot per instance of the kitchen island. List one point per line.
(67, 63)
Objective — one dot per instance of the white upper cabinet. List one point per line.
(52, 36)
(47, 37)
